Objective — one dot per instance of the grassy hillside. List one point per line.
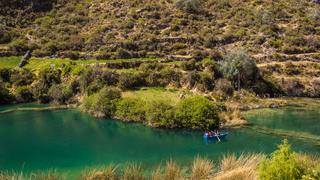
(125, 29)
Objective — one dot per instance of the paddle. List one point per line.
(218, 137)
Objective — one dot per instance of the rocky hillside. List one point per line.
(271, 30)
(283, 36)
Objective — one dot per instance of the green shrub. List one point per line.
(23, 94)
(282, 164)
(60, 93)
(189, 6)
(21, 77)
(131, 109)
(19, 46)
(102, 104)
(159, 113)
(197, 112)
(5, 97)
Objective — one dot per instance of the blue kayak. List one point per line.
(215, 136)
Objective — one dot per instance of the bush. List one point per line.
(23, 94)
(21, 77)
(5, 97)
(19, 46)
(197, 112)
(130, 81)
(60, 93)
(130, 109)
(189, 6)
(5, 74)
(159, 113)
(101, 104)
(282, 164)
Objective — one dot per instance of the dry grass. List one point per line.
(201, 169)
(51, 175)
(232, 119)
(108, 173)
(173, 171)
(132, 172)
(238, 168)
(156, 174)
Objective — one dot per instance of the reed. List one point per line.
(202, 168)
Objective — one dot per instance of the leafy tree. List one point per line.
(239, 67)
(282, 164)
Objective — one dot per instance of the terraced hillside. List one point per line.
(271, 30)
(283, 37)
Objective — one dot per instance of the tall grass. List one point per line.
(172, 171)
(238, 168)
(201, 169)
(132, 172)
(107, 173)
(51, 175)
(156, 174)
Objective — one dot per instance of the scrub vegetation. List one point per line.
(281, 164)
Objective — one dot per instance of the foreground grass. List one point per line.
(230, 167)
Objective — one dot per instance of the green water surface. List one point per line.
(69, 141)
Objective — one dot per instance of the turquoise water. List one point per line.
(69, 141)
(287, 118)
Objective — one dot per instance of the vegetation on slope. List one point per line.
(126, 29)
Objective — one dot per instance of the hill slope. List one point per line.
(137, 28)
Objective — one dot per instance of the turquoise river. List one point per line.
(69, 141)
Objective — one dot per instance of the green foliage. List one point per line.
(5, 97)
(282, 164)
(130, 109)
(239, 67)
(101, 104)
(23, 94)
(189, 6)
(60, 93)
(197, 112)
(21, 77)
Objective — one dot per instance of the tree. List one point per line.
(239, 67)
